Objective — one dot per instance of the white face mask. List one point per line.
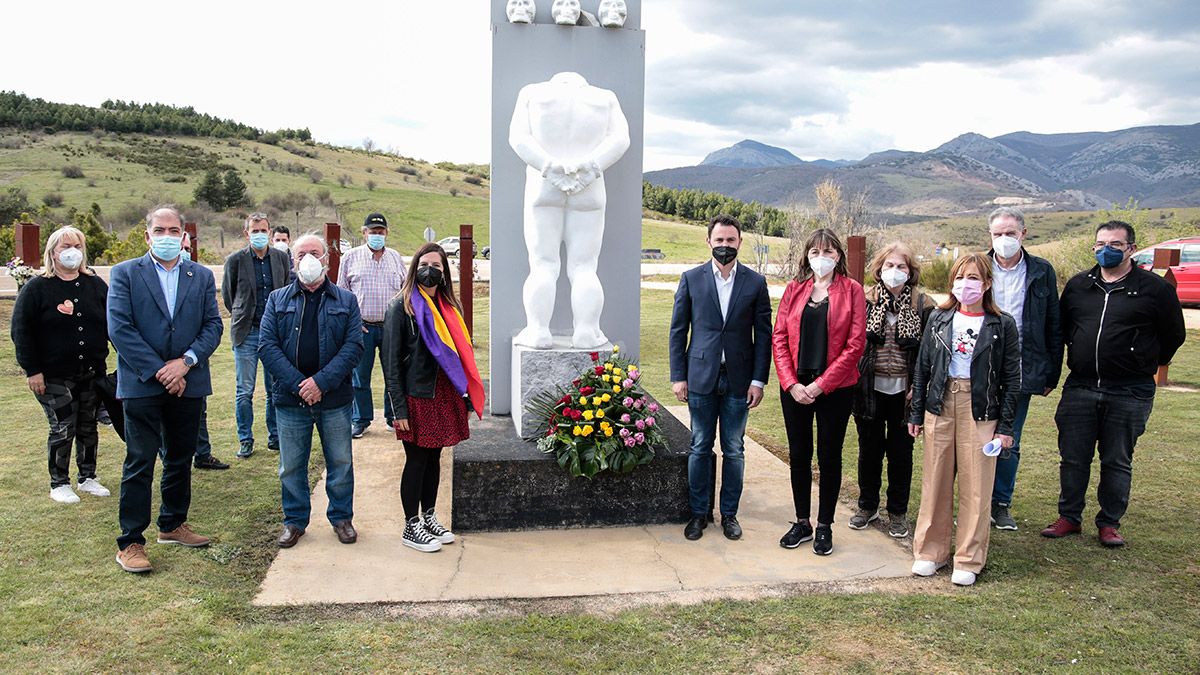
(893, 277)
(281, 246)
(70, 258)
(309, 270)
(1006, 247)
(821, 266)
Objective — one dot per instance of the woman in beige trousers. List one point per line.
(965, 388)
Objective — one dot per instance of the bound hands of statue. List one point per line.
(173, 376)
(561, 177)
(310, 392)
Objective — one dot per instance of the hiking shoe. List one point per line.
(357, 431)
(898, 526)
(63, 494)
(862, 518)
(435, 529)
(416, 536)
(183, 536)
(133, 559)
(94, 488)
(1061, 528)
(962, 578)
(210, 462)
(246, 450)
(926, 568)
(1001, 518)
(823, 544)
(801, 532)
(273, 446)
(1111, 538)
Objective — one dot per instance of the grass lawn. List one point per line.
(1041, 604)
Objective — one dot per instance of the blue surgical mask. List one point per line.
(258, 240)
(185, 254)
(1109, 257)
(166, 247)
(376, 241)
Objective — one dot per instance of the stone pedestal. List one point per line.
(538, 370)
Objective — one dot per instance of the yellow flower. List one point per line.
(582, 400)
(606, 398)
(588, 414)
(599, 414)
(608, 431)
(596, 400)
(587, 431)
(616, 349)
(617, 372)
(576, 431)
(616, 388)
(608, 378)
(608, 366)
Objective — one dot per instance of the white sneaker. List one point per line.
(436, 529)
(416, 536)
(926, 568)
(962, 578)
(93, 487)
(63, 494)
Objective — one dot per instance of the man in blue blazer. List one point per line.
(163, 320)
(720, 346)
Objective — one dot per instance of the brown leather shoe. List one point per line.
(183, 536)
(345, 532)
(1061, 528)
(1111, 538)
(290, 535)
(133, 559)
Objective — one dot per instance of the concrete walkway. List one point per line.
(561, 563)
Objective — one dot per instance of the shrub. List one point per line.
(345, 180)
(406, 170)
(323, 197)
(315, 176)
(370, 186)
(72, 171)
(175, 179)
(91, 182)
(935, 275)
(53, 200)
(473, 180)
(453, 192)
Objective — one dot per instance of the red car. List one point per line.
(1187, 273)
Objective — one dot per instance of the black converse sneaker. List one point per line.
(416, 536)
(435, 529)
(799, 533)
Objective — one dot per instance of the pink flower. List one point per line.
(624, 433)
(653, 406)
(639, 437)
(641, 425)
(637, 405)
(625, 418)
(629, 442)
(649, 421)
(634, 374)
(627, 383)
(627, 402)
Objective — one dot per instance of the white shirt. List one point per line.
(724, 294)
(1008, 287)
(962, 344)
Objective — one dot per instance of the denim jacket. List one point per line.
(341, 344)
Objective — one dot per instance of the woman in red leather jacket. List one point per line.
(819, 337)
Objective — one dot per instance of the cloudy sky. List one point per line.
(831, 80)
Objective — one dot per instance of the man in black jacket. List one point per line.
(1120, 323)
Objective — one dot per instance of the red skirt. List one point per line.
(437, 422)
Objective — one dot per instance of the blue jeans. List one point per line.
(731, 410)
(1006, 468)
(245, 365)
(296, 425)
(364, 407)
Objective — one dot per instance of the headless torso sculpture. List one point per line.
(568, 133)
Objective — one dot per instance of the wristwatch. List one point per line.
(189, 361)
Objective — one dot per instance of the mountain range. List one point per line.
(1156, 165)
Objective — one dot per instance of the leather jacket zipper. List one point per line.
(1100, 328)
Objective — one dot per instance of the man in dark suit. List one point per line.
(721, 370)
(163, 320)
(251, 274)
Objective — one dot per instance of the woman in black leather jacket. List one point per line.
(965, 388)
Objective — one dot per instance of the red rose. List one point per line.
(595, 356)
(587, 391)
(565, 399)
(577, 382)
(599, 370)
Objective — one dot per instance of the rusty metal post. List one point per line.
(194, 249)
(29, 244)
(333, 241)
(1165, 258)
(1160, 378)
(466, 273)
(856, 257)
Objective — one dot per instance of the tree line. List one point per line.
(700, 206)
(19, 110)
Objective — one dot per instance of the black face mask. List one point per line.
(724, 254)
(429, 277)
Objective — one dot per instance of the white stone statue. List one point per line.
(521, 11)
(565, 12)
(568, 133)
(613, 13)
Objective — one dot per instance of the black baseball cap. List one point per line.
(375, 220)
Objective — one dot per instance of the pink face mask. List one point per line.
(968, 291)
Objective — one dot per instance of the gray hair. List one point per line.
(1010, 211)
(48, 257)
(315, 236)
(254, 218)
(168, 208)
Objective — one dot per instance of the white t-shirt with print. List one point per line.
(962, 346)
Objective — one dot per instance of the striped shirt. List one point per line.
(373, 282)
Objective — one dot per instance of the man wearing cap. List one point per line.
(374, 273)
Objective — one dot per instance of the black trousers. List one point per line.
(419, 481)
(885, 436)
(70, 406)
(832, 414)
(175, 423)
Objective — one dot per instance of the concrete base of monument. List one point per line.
(633, 565)
(502, 482)
(538, 370)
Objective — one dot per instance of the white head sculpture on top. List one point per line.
(565, 12)
(520, 11)
(568, 133)
(612, 13)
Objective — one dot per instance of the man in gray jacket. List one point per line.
(251, 274)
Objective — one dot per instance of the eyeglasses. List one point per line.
(1114, 245)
